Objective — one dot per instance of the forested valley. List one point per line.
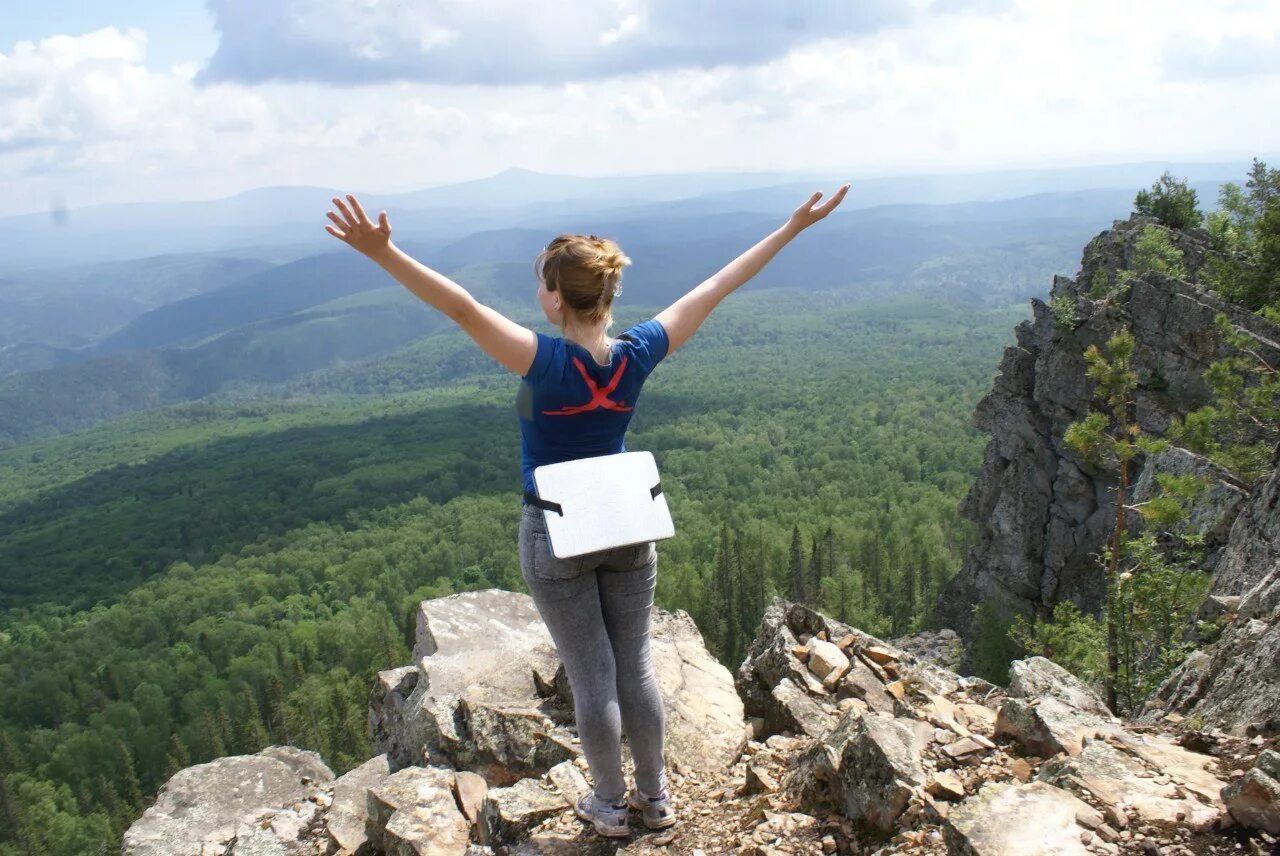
(216, 576)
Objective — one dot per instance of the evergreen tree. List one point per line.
(798, 591)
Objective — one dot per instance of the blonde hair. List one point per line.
(587, 272)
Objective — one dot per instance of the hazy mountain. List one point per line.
(295, 215)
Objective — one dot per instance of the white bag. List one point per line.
(602, 502)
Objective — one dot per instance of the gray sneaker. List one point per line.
(610, 821)
(656, 811)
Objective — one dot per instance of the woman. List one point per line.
(576, 398)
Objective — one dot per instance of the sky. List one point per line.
(137, 101)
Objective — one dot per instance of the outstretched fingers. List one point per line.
(831, 203)
(360, 215)
(350, 218)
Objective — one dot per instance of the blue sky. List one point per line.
(132, 100)
(178, 30)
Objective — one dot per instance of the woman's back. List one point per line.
(572, 407)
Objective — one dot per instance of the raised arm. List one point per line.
(506, 341)
(682, 318)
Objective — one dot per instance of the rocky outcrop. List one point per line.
(221, 807)
(489, 695)
(1234, 684)
(1043, 512)
(906, 758)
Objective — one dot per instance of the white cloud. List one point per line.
(1029, 84)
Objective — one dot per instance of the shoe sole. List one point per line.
(662, 824)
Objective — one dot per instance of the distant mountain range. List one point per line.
(88, 341)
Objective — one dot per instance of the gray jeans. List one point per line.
(597, 607)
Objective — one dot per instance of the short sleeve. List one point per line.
(649, 343)
(542, 358)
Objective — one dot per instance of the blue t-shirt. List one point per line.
(572, 407)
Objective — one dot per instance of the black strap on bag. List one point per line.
(547, 505)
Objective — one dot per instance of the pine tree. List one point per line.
(277, 709)
(798, 592)
(251, 735)
(178, 758)
(816, 573)
(128, 778)
(211, 737)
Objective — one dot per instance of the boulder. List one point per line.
(1039, 677)
(1112, 776)
(489, 694)
(870, 765)
(1036, 819)
(795, 711)
(825, 658)
(1254, 800)
(413, 813)
(1047, 726)
(471, 701)
(510, 813)
(347, 813)
(207, 804)
(470, 790)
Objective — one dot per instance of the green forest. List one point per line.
(214, 577)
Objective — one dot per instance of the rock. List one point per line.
(1017, 820)
(210, 802)
(758, 781)
(488, 693)
(1254, 801)
(706, 730)
(569, 781)
(475, 704)
(796, 711)
(470, 790)
(1111, 776)
(966, 750)
(347, 814)
(413, 813)
(860, 683)
(1268, 762)
(1048, 727)
(869, 765)
(510, 813)
(1037, 677)
(253, 840)
(1043, 513)
(825, 658)
(1234, 684)
(942, 648)
(946, 785)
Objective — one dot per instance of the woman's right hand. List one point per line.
(356, 230)
(807, 214)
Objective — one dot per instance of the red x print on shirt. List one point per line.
(599, 395)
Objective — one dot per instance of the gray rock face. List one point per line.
(1038, 676)
(207, 804)
(489, 694)
(1234, 684)
(875, 763)
(1111, 776)
(348, 813)
(705, 729)
(1043, 512)
(413, 813)
(510, 813)
(471, 701)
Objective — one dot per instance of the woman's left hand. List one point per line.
(810, 212)
(357, 230)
